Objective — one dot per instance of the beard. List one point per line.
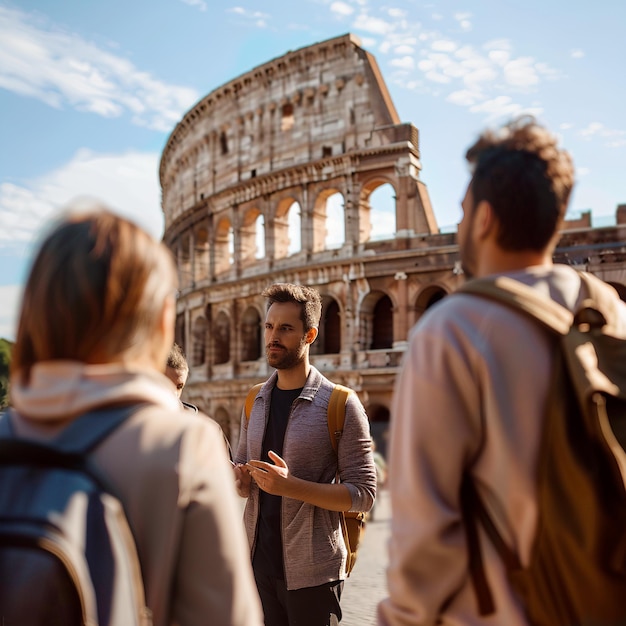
(286, 359)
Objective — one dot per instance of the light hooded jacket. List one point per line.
(470, 396)
(314, 552)
(170, 469)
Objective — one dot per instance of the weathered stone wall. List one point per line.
(295, 152)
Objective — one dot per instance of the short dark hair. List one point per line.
(520, 170)
(309, 299)
(176, 358)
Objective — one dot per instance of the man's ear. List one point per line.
(484, 219)
(311, 335)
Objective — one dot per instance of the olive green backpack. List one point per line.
(577, 571)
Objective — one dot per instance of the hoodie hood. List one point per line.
(64, 389)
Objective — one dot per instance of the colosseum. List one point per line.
(300, 170)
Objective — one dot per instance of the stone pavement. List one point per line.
(367, 584)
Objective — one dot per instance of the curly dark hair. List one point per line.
(309, 299)
(520, 170)
(176, 358)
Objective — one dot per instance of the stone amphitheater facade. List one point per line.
(300, 170)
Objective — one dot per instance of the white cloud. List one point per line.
(592, 129)
(372, 24)
(61, 69)
(464, 20)
(577, 54)
(196, 3)
(404, 49)
(464, 97)
(125, 182)
(341, 8)
(504, 107)
(499, 57)
(397, 13)
(613, 138)
(405, 63)
(443, 45)
(258, 18)
(520, 72)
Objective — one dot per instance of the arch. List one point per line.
(287, 118)
(224, 245)
(331, 323)
(329, 223)
(382, 332)
(260, 237)
(377, 211)
(201, 253)
(199, 338)
(287, 226)
(329, 336)
(250, 335)
(221, 338)
(184, 261)
(179, 331)
(252, 237)
(376, 321)
(428, 297)
(294, 219)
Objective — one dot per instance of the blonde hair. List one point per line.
(95, 293)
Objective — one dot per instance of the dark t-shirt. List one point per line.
(268, 553)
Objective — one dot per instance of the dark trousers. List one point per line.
(311, 606)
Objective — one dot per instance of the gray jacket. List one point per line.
(313, 546)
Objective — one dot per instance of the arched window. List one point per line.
(222, 338)
(335, 222)
(295, 229)
(252, 237)
(382, 324)
(259, 237)
(332, 328)
(382, 203)
(224, 246)
(201, 257)
(200, 328)
(250, 335)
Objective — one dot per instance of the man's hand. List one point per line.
(277, 480)
(273, 479)
(242, 480)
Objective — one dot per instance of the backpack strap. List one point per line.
(337, 413)
(87, 431)
(250, 398)
(6, 424)
(602, 305)
(70, 449)
(509, 291)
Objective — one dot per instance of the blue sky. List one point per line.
(89, 92)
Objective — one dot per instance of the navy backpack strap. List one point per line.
(88, 430)
(70, 449)
(6, 426)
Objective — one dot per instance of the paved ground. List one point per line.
(366, 585)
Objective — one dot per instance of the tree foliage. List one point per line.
(5, 361)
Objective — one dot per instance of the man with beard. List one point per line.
(286, 466)
(469, 402)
